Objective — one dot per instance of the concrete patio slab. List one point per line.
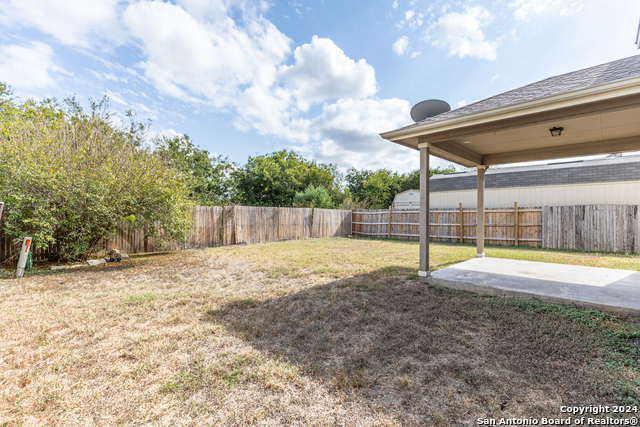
(604, 288)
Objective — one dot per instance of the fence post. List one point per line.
(517, 222)
(389, 226)
(229, 225)
(461, 225)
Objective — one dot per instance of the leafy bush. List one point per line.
(313, 197)
(70, 178)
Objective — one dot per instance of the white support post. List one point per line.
(424, 212)
(22, 261)
(480, 213)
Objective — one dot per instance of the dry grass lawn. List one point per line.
(330, 332)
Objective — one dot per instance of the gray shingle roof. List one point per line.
(610, 169)
(576, 80)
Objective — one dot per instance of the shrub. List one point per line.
(313, 197)
(70, 178)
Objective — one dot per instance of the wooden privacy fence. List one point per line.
(331, 223)
(505, 226)
(248, 224)
(217, 226)
(608, 228)
(126, 240)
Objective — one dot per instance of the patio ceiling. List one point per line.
(598, 119)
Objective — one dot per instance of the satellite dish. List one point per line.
(428, 108)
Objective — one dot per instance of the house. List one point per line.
(593, 111)
(614, 179)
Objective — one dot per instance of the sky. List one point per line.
(322, 77)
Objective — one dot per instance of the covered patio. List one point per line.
(587, 112)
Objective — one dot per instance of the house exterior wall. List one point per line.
(611, 180)
(625, 193)
(590, 172)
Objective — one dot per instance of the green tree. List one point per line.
(410, 181)
(274, 179)
(209, 178)
(70, 178)
(313, 197)
(377, 189)
(355, 181)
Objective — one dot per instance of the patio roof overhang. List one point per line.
(596, 120)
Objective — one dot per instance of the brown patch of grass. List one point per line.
(424, 353)
(317, 332)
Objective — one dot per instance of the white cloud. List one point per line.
(526, 9)
(251, 70)
(270, 111)
(322, 71)
(349, 134)
(208, 60)
(168, 133)
(125, 104)
(226, 56)
(400, 45)
(462, 103)
(409, 14)
(347, 130)
(417, 22)
(462, 35)
(414, 54)
(27, 66)
(107, 76)
(71, 22)
(117, 98)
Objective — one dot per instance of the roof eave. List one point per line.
(408, 136)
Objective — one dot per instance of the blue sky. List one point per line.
(325, 77)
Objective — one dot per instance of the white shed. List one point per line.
(409, 199)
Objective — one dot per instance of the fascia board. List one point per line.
(592, 94)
